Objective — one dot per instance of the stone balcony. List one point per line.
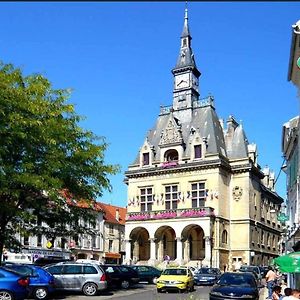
(171, 214)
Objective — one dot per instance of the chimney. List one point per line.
(117, 215)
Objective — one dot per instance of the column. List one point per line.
(179, 257)
(136, 251)
(152, 249)
(207, 259)
(186, 255)
(160, 252)
(152, 260)
(128, 252)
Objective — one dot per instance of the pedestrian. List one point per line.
(276, 292)
(295, 294)
(287, 292)
(270, 279)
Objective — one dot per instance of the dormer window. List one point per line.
(198, 151)
(171, 155)
(146, 159)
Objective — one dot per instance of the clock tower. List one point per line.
(186, 74)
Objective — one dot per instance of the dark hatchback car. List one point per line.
(41, 282)
(207, 276)
(147, 273)
(43, 261)
(120, 276)
(253, 269)
(232, 285)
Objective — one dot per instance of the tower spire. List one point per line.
(186, 56)
(185, 31)
(186, 74)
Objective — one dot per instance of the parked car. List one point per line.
(72, 276)
(179, 279)
(263, 271)
(147, 273)
(43, 261)
(121, 276)
(207, 276)
(253, 269)
(41, 282)
(13, 286)
(235, 285)
(192, 269)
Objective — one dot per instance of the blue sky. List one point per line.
(117, 57)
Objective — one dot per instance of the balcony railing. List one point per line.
(171, 214)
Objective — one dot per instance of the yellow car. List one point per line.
(179, 279)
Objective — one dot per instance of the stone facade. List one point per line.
(196, 193)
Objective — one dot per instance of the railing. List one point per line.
(171, 214)
(207, 101)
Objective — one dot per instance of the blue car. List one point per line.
(13, 286)
(41, 282)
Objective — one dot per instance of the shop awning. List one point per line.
(289, 263)
(112, 255)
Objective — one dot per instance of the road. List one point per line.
(146, 292)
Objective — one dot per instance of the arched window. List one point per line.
(171, 155)
(224, 237)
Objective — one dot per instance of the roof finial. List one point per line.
(186, 11)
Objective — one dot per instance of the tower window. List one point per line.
(198, 194)
(146, 195)
(184, 42)
(197, 151)
(146, 159)
(171, 196)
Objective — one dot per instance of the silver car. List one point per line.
(72, 276)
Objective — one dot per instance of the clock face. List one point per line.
(182, 81)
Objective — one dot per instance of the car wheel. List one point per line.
(90, 289)
(192, 288)
(159, 290)
(40, 293)
(125, 284)
(5, 295)
(154, 280)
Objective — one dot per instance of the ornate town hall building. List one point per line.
(196, 193)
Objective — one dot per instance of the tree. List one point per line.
(43, 152)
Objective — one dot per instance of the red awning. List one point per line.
(112, 255)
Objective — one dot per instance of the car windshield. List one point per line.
(174, 272)
(235, 279)
(207, 271)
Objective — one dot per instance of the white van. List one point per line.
(21, 258)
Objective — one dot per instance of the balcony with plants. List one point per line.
(171, 214)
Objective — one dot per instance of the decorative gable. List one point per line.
(172, 133)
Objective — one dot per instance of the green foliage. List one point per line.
(43, 151)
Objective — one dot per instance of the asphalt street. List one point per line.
(146, 292)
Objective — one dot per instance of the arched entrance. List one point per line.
(140, 245)
(193, 243)
(165, 238)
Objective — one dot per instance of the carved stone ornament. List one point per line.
(237, 193)
(171, 134)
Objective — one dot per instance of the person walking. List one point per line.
(276, 292)
(270, 279)
(295, 294)
(287, 292)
